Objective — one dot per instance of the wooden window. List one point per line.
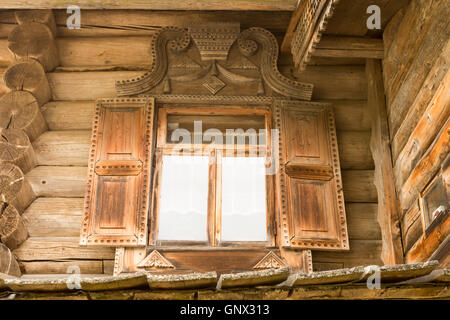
(434, 202)
(116, 200)
(211, 183)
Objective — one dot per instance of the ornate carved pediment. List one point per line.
(155, 261)
(270, 261)
(214, 59)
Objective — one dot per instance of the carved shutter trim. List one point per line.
(312, 209)
(116, 199)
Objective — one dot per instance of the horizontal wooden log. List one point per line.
(362, 252)
(69, 115)
(54, 217)
(362, 223)
(270, 5)
(350, 115)
(424, 133)
(426, 168)
(51, 181)
(359, 186)
(353, 47)
(62, 267)
(63, 148)
(354, 151)
(72, 148)
(333, 82)
(61, 248)
(93, 51)
(428, 244)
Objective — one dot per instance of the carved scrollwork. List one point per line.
(174, 38)
(256, 42)
(267, 43)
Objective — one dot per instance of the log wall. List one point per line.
(90, 61)
(417, 80)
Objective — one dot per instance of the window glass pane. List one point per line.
(243, 199)
(184, 198)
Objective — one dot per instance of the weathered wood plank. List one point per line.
(354, 151)
(362, 221)
(427, 245)
(63, 148)
(362, 252)
(390, 32)
(57, 181)
(388, 215)
(349, 47)
(407, 85)
(333, 82)
(54, 217)
(358, 186)
(426, 168)
(431, 120)
(61, 267)
(60, 248)
(412, 227)
(270, 5)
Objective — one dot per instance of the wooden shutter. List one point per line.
(311, 204)
(116, 199)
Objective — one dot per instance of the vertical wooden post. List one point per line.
(388, 208)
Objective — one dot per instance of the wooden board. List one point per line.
(54, 217)
(61, 267)
(271, 5)
(57, 181)
(358, 186)
(362, 252)
(59, 248)
(362, 221)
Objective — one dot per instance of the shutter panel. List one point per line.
(116, 200)
(311, 205)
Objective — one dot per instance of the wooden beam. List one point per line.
(349, 47)
(296, 15)
(272, 5)
(311, 24)
(427, 245)
(388, 216)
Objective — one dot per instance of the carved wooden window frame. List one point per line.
(214, 212)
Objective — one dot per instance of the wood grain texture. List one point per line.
(58, 181)
(362, 252)
(362, 221)
(59, 248)
(272, 5)
(388, 214)
(358, 186)
(54, 217)
(349, 47)
(62, 266)
(417, 55)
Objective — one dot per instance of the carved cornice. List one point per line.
(257, 43)
(254, 39)
(155, 261)
(177, 40)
